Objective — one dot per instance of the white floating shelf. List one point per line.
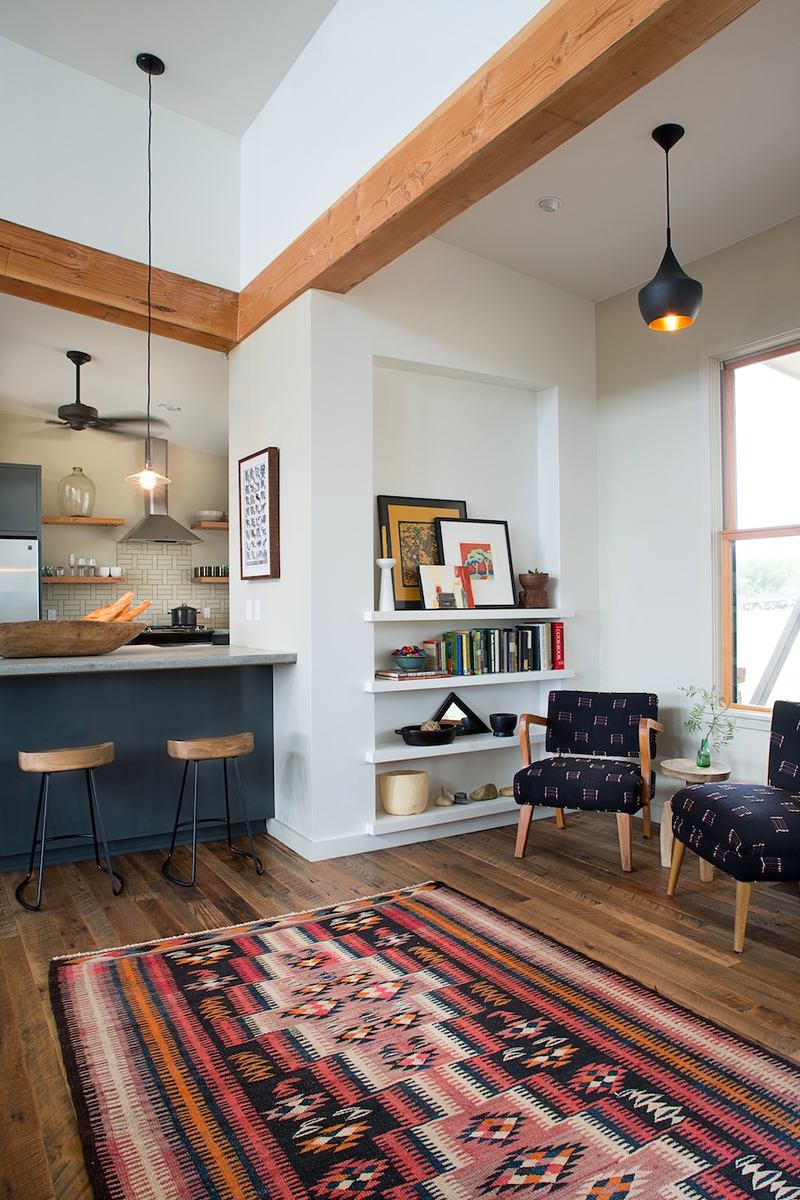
(471, 616)
(384, 823)
(468, 743)
(459, 681)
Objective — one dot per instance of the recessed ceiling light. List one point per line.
(549, 204)
(170, 407)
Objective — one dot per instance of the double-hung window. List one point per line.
(761, 534)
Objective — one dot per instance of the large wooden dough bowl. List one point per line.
(64, 639)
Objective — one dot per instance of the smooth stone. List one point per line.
(507, 791)
(487, 792)
(443, 800)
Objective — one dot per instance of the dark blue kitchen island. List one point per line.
(137, 698)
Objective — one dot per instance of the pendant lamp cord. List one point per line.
(669, 215)
(149, 251)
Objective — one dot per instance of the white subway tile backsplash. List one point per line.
(152, 572)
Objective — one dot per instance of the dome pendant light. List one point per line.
(151, 64)
(672, 299)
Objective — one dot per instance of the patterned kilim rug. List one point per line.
(412, 1045)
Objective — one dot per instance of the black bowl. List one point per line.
(412, 735)
(503, 724)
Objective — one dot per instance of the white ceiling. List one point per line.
(35, 375)
(224, 59)
(736, 172)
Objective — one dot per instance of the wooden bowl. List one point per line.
(64, 639)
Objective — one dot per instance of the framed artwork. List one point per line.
(453, 708)
(259, 518)
(410, 537)
(445, 587)
(483, 547)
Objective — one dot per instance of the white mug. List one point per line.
(116, 572)
(104, 572)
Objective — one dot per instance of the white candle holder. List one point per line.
(386, 594)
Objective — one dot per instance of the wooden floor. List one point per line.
(570, 886)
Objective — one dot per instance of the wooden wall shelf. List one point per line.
(210, 525)
(83, 520)
(62, 580)
(211, 579)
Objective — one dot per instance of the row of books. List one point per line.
(533, 646)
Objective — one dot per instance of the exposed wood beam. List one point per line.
(38, 266)
(571, 64)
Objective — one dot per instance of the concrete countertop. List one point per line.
(147, 658)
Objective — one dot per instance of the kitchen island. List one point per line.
(137, 698)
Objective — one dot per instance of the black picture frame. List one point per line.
(396, 513)
(448, 523)
(470, 721)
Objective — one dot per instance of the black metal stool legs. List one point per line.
(168, 859)
(94, 807)
(257, 863)
(41, 815)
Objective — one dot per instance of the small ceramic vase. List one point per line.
(386, 595)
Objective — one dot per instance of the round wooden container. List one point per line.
(404, 793)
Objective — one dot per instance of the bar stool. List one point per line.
(51, 762)
(200, 750)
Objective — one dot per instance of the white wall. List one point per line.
(74, 154)
(269, 405)
(375, 68)
(659, 484)
(449, 311)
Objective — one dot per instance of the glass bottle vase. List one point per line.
(76, 494)
(703, 754)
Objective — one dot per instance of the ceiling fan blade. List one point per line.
(61, 424)
(130, 419)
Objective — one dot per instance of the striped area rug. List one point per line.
(413, 1046)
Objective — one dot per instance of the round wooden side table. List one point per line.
(687, 770)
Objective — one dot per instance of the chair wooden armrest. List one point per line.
(525, 721)
(646, 725)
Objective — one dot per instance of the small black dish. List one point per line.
(412, 735)
(503, 724)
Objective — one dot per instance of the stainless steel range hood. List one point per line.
(157, 525)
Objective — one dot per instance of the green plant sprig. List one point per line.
(718, 728)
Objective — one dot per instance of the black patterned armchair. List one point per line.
(751, 831)
(602, 746)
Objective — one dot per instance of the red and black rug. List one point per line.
(413, 1046)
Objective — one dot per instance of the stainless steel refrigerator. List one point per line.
(20, 539)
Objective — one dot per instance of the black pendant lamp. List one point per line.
(672, 299)
(152, 65)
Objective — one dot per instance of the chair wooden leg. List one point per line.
(743, 891)
(625, 834)
(646, 828)
(523, 829)
(561, 820)
(678, 849)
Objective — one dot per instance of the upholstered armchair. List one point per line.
(750, 831)
(602, 746)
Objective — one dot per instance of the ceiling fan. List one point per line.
(79, 416)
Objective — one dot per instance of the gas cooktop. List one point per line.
(174, 635)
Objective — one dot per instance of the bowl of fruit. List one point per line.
(410, 658)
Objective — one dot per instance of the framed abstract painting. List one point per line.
(259, 517)
(483, 547)
(407, 527)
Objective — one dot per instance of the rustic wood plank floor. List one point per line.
(570, 886)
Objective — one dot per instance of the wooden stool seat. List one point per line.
(234, 745)
(74, 758)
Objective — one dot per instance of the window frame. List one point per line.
(731, 532)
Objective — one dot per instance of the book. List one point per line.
(411, 675)
(493, 650)
(557, 630)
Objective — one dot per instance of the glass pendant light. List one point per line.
(151, 64)
(672, 299)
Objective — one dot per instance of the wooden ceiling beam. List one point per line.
(51, 270)
(572, 63)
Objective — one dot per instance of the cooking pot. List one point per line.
(184, 614)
